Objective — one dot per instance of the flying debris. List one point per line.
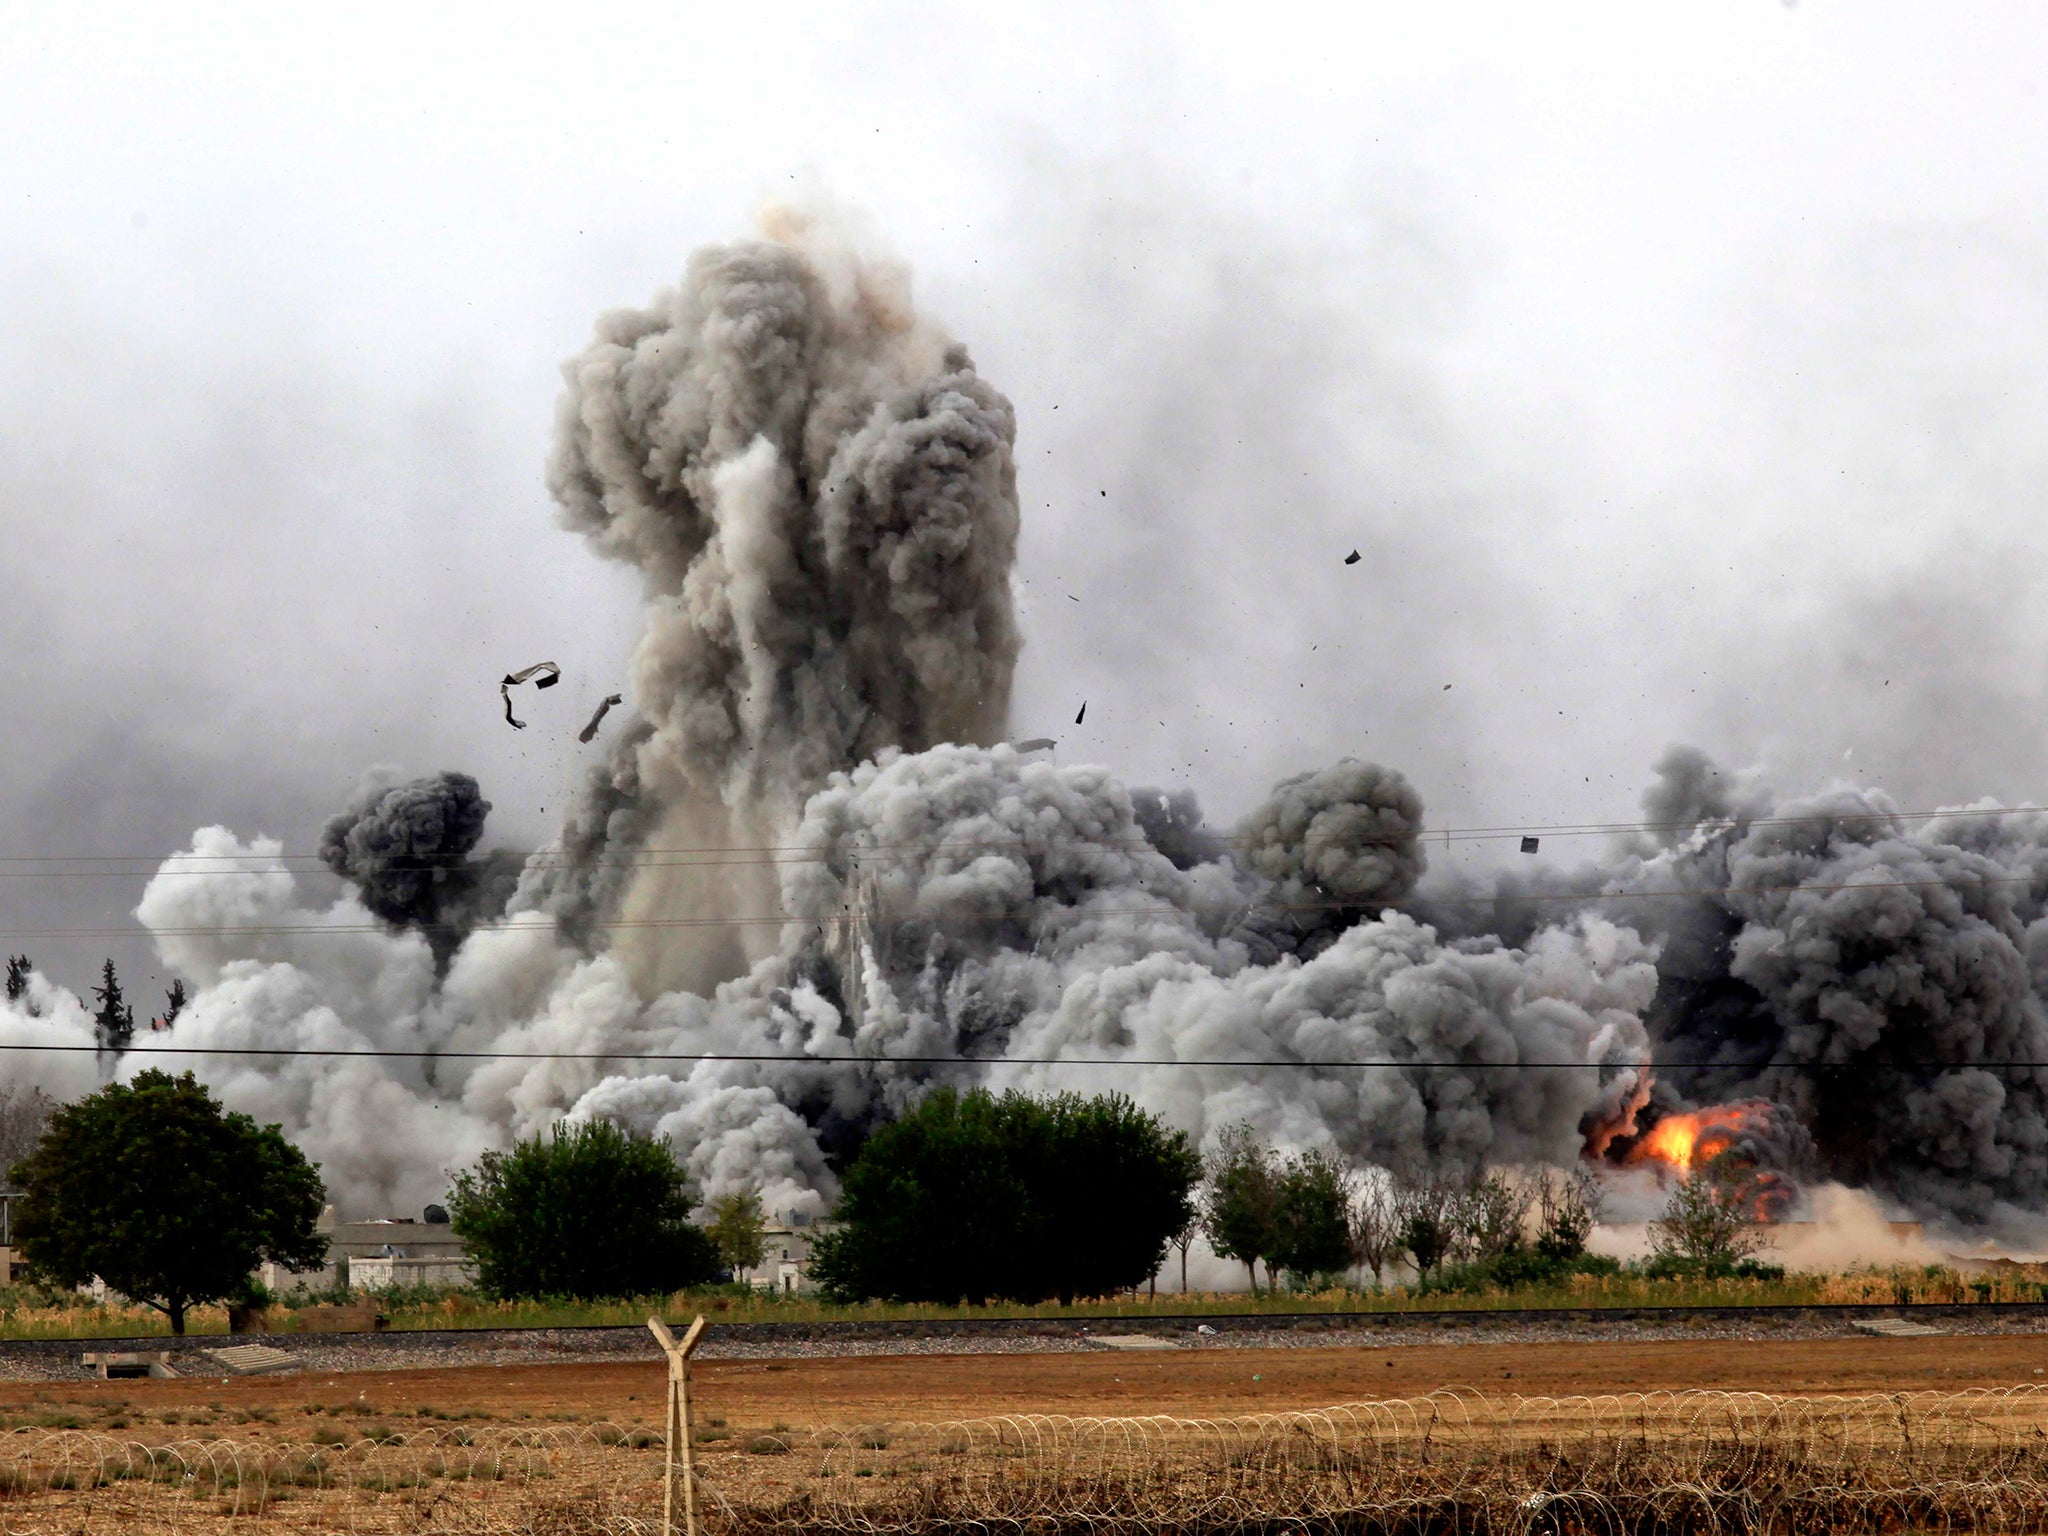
(505, 686)
(1082, 711)
(1039, 743)
(1352, 558)
(597, 719)
(1878, 979)
(1529, 844)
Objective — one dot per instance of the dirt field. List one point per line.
(814, 1392)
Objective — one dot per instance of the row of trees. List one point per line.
(975, 1197)
(155, 1189)
(113, 1022)
(152, 1187)
(1311, 1217)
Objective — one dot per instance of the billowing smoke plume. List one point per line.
(1333, 846)
(1876, 976)
(817, 489)
(406, 848)
(1015, 926)
(808, 846)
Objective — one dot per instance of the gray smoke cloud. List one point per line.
(1017, 926)
(1873, 978)
(406, 848)
(818, 491)
(1333, 845)
(808, 844)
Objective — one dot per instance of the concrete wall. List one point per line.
(387, 1274)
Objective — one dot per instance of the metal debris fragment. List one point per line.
(597, 719)
(505, 685)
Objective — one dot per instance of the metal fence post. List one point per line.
(678, 1426)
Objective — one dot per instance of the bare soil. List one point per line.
(843, 1391)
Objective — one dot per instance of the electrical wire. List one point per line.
(1293, 1062)
(1241, 909)
(710, 855)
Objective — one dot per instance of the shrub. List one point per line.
(978, 1197)
(584, 1211)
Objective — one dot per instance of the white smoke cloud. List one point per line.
(809, 882)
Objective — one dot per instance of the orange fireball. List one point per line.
(1681, 1142)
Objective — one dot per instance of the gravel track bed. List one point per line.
(59, 1360)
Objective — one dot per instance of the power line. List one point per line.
(1295, 1062)
(798, 853)
(1242, 909)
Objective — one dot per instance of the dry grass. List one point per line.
(1673, 1464)
(26, 1313)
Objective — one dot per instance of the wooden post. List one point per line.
(678, 1426)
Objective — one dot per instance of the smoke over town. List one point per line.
(810, 878)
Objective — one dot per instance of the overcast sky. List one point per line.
(1678, 371)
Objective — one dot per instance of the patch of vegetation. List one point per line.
(540, 1220)
(153, 1187)
(977, 1196)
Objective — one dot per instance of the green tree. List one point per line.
(174, 1002)
(583, 1210)
(18, 969)
(1109, 1186)
(1568, 1205)
(973, 1196)
(1375, 1224)
(1312, 1215)
(736, 1231)
(1241, 1205)
(1709, 1223)
(932, 1208)
(113, 1026)
(151, 1186)
(1492, 1217)
(1428, 1213)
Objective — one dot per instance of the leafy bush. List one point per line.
(585, 1211)
(1673, 1266)
(972, 1196)
(1710, 1220)
(1520, 1269)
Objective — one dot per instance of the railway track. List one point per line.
(1450, 1325)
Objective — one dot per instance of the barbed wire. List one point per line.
(1626, 1464)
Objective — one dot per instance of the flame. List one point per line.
(1682, 1142)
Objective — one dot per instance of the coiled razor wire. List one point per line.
(1454, 1462)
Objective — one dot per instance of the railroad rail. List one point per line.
(635, 1341)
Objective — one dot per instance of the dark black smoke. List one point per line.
(1874, 976)
(1172, 822)
(406, 848)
